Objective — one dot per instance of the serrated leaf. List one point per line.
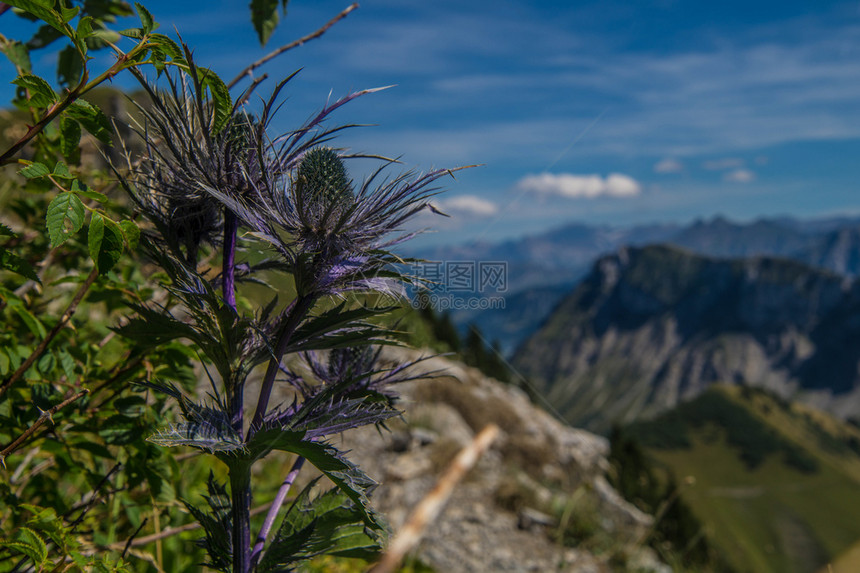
(66, 14)
(14, 263)
(328, 460)
(41, 9)
(146, 19)
(70, 139)
(65, 216)
(329, 524)
(85, 28)
(134, 33)
(62, 170)
(220, 96)
(18, 54)
(67, 363)
(131, 232)
(6, 231)
(92, 119)
(105, 242)
(41, 94)
(166, 46)
(69, 67)
(82, 190)
(35, 170)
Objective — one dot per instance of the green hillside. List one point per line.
(777, 485)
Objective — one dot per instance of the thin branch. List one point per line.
(273, 510)
(67, 315)
(44, 417)
(133, 535)
(428, 508)
(86, 506)
(171, 531)
(250, 69)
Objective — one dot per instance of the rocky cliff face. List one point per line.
(541, 479)
(653, 326)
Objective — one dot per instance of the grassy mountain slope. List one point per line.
(777, 485)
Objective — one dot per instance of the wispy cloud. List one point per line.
(668, 165)
(739, 176)
(580, 186)
(470, 205)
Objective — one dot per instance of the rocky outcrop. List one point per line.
(653, 326)
(540, 482)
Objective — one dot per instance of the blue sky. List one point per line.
(601, 112)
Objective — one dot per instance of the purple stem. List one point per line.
(240, 495)
(228, 272)
(300, 307)
(228, 275)
(273, 511)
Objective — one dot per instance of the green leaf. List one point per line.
(343, 473)
(82, 190)
(35, 170)
(67, 363)
(131, 232)
(33, 323)
(6, 231)
(44, 36)
(61, 170)
(85, 28)
(30, 544)
(41, 94)
(70, 139)
(92, 119)
(134, 33)
(146, 18)
(43, 10)
(220, 96)
(265, 18)
(14, 263)
(329, 524)
(18, 54)
(105, 242)
(66, 14)
(4, 363)
(166, 46)
(65, 216)
(69, 67)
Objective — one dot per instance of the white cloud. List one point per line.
(469, 205)
(580, 186)
(668, 165)
(739, 176)
(722, 164)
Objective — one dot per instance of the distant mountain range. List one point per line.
(543, 268)
(650, 327)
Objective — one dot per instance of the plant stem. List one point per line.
(273, 510)
(228, 278)
(70, 311)
(70, 98)
(301, 306)
(44, 417)
(240, 495)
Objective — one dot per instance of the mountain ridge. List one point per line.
(652, 326)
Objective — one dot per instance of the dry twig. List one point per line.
(429, 508)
